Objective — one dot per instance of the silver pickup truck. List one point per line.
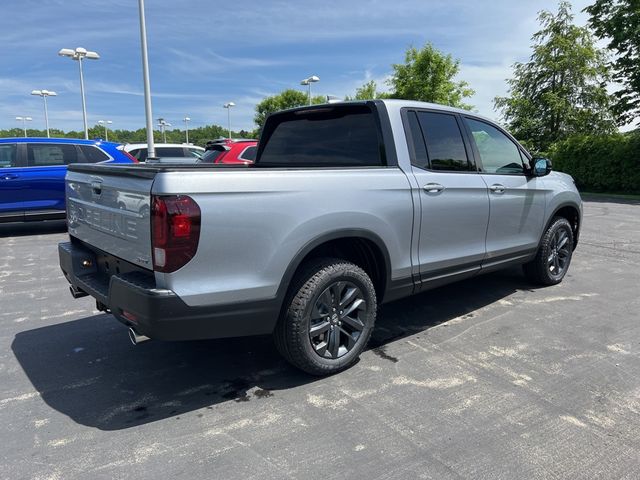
(347, 206)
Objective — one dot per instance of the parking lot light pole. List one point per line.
(186, 121)
(308, 82)
(79, 54)
(106, 130)
(24, 121)
(162, 124)
(44, 94)
(228, 106)
(151, 149)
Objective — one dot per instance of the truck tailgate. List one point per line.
(109, 208)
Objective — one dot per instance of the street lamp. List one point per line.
(228, 107)
(186, 121)
(24, 121)
(106, 130)
(162, 124)
(79, 54)
(308, 82)
(44, 94)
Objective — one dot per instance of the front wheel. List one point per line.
(552, 261)
(329, 317)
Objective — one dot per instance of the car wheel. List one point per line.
(328, 317)
(552, 261)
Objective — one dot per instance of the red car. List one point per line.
(230, 151)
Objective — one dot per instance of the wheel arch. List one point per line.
(571, 212)
(360, 246)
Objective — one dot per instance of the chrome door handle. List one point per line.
(497, 188)
(433, 188)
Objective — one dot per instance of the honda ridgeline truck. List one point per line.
(347, 206)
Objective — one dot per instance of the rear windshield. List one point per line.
(327, 136)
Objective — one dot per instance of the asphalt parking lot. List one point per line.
(488, 378)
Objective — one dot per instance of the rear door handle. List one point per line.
(433, 188)
(497, 188)
(9, 176)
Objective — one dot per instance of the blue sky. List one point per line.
(205, 53)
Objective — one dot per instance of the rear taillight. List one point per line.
(175, 231)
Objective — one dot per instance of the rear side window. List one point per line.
(139, 153)
(249, 154)
(93, 154)
(8, 155)
(445, 146)
(50, 154)
(170, 152)
(323, 137)
(497, 152)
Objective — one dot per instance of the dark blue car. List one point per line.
(32, 173)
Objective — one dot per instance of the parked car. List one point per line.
(347, 206)
(241, 151)
(140, 150)
(32, 173)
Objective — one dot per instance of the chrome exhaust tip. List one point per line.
(136, 338)
(76, 292)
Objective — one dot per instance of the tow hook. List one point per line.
(76, 292)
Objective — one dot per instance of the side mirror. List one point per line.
(542, 167)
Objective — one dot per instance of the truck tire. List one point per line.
(327, 318)
(552, 261)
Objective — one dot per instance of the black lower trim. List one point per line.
(33, 216)
(133, 298)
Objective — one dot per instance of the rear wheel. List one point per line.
(554, 254)
(329, 317)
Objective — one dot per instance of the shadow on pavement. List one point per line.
(606, 199)
(32, 228)
(88, 370)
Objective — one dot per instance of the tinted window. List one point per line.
(210, 156)
(195, 153)
(170, 152)
(139, 153)
(8, 155)
(43, 154)
(249, 154)
(330, 136)
(419, 158)
(445, 146)
(93, 154)
(497, 152)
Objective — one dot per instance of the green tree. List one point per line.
(368, 91)
(289, 98)
(619, 22)
(561, 90)
(428, 75)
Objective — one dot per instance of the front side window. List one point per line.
(324, 137)
(445, 146)
(497, 152)
(8, 155)
(51, 154)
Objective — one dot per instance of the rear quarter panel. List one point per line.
(254, 222)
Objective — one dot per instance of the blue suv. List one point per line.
(32, 173)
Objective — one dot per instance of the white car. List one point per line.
(139, 150)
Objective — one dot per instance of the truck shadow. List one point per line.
(88, 370)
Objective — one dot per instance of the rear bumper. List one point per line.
(134, 300)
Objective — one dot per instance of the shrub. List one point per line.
(600, 163)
